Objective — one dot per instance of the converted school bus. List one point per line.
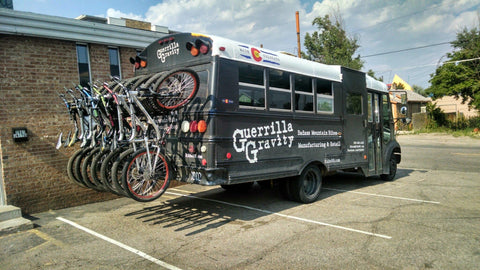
(271, 115)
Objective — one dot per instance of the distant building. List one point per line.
(415, 103)
(39, 56)
(454, 108)
(402, 95)
(399, 83)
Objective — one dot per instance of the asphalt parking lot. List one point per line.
(427, 218)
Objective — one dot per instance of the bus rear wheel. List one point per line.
(306, 187)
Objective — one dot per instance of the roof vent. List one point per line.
(89, 18)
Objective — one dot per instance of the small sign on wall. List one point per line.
(20, 134)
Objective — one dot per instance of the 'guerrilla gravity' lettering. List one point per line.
(251, 140)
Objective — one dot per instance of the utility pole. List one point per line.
(298, 35)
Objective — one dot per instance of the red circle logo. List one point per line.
(256, 55)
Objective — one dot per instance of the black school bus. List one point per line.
(265, 115)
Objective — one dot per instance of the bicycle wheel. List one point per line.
(70, 171)
(117, 169)
(177, 88)
(97, 161)
(146, 178)
(77, 167)
(106, 169)
(85, 169)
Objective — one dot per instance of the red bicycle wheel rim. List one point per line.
(158, 191)
(193, 79)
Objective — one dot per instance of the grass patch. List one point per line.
(469, 132)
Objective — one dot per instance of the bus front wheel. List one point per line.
(392, 169)
(306, 187)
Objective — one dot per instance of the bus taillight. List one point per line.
(138, 62)
(193, 126)
(202, 126)
(198, 47)
(185, 126)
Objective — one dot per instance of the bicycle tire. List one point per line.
(85, 165)
(77, 167)
(87, 168)
(97, 161)
(140, 184)
(179, 88)
(117, 169)
(152, 80)
(77, 173)
(106, 168)
(70, 173)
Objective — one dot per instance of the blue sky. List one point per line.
(380, 25)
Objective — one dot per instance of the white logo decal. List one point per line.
(172, 49)
(243, 139)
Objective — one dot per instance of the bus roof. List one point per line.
(229, 49)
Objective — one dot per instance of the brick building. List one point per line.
(39, 55)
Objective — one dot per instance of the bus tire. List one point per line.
(392, 169)
(306, 187)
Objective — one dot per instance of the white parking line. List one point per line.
(115, 242)
(280, 215)
(379, 195)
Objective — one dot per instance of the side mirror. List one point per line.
(403, 110)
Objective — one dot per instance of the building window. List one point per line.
(83, 64)
(114, 62)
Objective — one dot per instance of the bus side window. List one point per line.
(387, 118)
(251, 88)
(303, 93)
(354, 104)
(324, 96)
(279, 90)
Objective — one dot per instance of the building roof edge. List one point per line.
(38, 25)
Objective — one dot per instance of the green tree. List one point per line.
(331, 45)
(460, 75)
(419, 90)
(371, 73)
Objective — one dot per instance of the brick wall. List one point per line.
(32, 73)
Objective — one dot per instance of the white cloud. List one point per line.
(379, 25)
(467, 19)
(118, 14)
(269, 22)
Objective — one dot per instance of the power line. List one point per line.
(428, 65)
(409, 49)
